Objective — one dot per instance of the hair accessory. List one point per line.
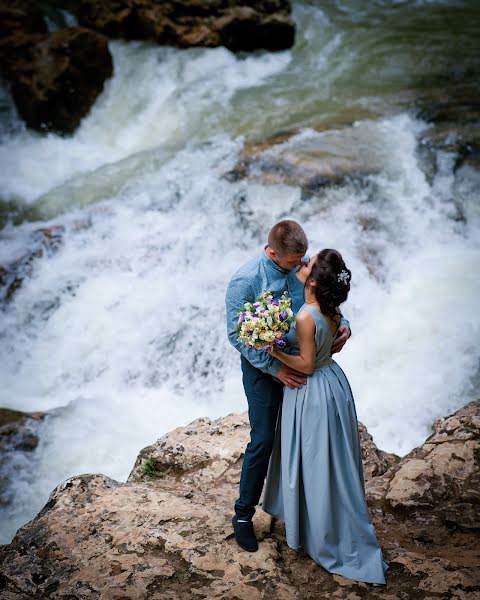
(343, 277)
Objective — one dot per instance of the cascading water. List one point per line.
(120, 334)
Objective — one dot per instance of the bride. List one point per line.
(315, 478)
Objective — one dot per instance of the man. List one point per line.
(264, 376)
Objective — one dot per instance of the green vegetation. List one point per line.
(151, 471)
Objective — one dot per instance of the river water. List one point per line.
(120, 335)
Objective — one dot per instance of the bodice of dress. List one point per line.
(323, 338)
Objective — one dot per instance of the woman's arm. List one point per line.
(304, 271)
(305, 361)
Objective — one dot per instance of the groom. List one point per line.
(264, 376)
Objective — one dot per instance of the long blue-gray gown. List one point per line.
(315, 478)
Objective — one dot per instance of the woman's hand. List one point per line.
(304, 271)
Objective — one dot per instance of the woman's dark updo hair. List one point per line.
(332, 280)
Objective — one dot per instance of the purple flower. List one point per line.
(242, 318)
(275, 302)
(255, 314)
(283, 315)
(280, 343)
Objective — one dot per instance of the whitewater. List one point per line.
(120, 335)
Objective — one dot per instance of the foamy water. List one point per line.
(120, 335)
(158, 97)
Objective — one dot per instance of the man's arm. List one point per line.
(238, 292)
(345, 323)
(345, 333)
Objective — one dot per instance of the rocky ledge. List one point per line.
(18, 438)
(44, 241)
(56, 76)
(338, 149)
(166, 533)
(313, 159)
(240, 25)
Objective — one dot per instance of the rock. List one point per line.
(311, 159)
(239, 26)
(170, 537)
(18, 437)
(199, 453)
(339, 149)
(55, 77)
(21, 15)
(451, 99)
(451, 107)
(14, 426)
(205, 450)
(439, 482)
(375, 462)
(438, 576)
(46, 240)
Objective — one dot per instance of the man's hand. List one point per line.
(341, 339)
(291, 378)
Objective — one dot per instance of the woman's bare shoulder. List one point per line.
(305, 318)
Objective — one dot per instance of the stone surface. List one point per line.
(55, 77)
(18, 438)
(16, 432)
(21, 16)
(238, 25)
(440, 481)
(166, 532)
(452, 109)
(311, 159)
(375, 461)
(333, 153)
(204, 451)
(43, 241)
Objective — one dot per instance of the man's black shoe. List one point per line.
(245, 535)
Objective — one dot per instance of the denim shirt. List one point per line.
(247, 285)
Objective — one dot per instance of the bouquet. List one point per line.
(262, 324)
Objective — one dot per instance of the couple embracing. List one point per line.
(303, 425)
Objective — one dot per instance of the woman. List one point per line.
(315, 479)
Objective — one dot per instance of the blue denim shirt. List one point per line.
(246, 285)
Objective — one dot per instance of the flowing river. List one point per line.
(120, 334)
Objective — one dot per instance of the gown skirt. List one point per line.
(315, 478)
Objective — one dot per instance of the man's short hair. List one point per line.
(287, 237)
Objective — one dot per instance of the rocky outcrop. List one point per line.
(451, 107)
(54, 77)
(21, 16)
(437, 484)
(18, 438)
(43, 241)
(375, 461)
(333, 153)
(240, 26)
(204, 449)
(311, 159)
(166, 533)
(17, 430)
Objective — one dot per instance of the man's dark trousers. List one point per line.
(264, 396)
